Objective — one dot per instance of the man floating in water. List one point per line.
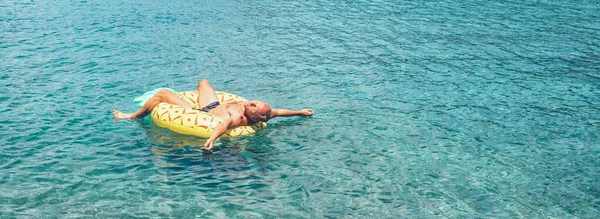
(233, 114)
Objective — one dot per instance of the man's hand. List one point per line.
(306, 112)
(219, 130)
(208, 145)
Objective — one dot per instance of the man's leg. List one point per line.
(206, 92)
(160, 96)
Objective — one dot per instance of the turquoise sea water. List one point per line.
(423, 109)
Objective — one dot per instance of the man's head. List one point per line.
(257, 111)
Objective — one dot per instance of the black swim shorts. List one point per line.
(210, 106)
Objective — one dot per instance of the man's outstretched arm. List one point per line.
(217, 132)
(287, 112)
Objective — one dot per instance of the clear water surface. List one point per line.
(423, 109)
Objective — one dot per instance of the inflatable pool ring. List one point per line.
(195, 122)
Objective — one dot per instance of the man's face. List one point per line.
(257, 111)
